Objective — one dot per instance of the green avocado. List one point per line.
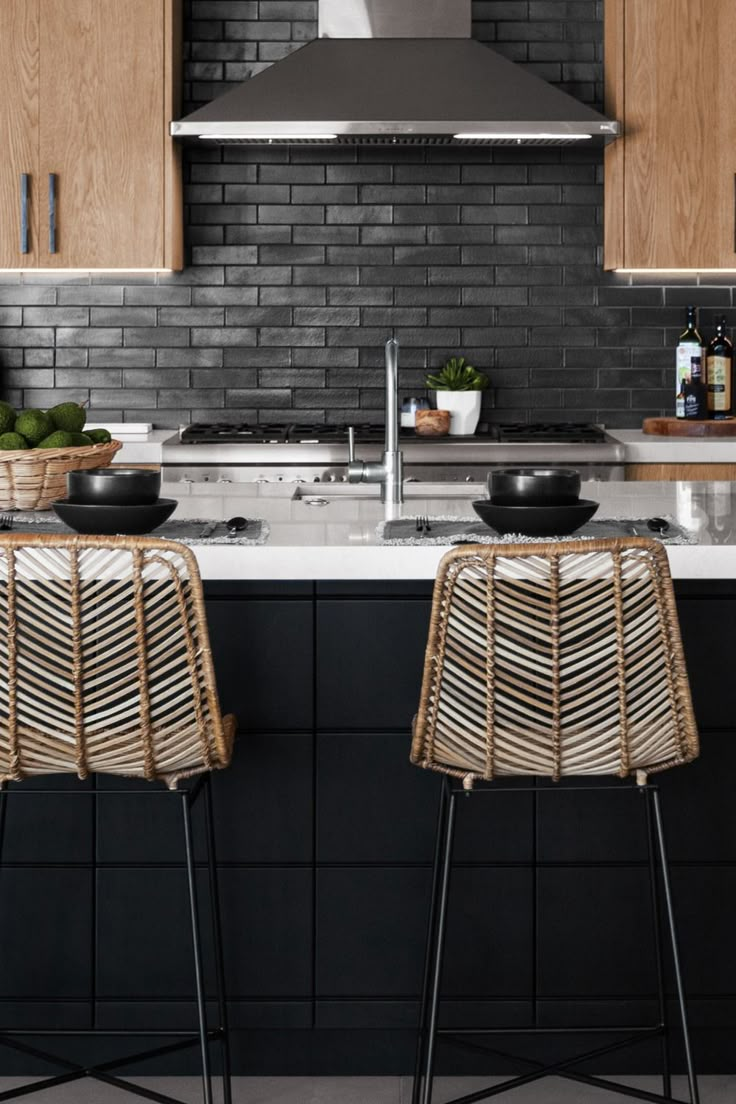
(69, 416)
(12, 441)
(81, 439)
(34, 425)
(7, 417)
(58, 439)
(99, 436)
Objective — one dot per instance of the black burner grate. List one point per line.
(208, 433)
(564, 433)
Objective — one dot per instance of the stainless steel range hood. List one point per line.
(402, 72)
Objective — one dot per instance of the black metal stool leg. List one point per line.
(691, 1076)
(217, 940)
(3, 817)
(436, 969)
(658, 950)
(431, 924)
(198, 972)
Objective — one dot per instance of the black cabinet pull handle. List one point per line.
(52, 212)
(24, 187)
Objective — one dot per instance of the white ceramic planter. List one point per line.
(464, 407)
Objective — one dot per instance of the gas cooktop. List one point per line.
(227, 433)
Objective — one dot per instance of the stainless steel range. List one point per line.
(299, 452)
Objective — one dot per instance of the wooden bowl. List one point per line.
(432, 423)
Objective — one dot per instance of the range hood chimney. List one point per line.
(403, 72)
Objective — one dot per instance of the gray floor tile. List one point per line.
(372, 1090)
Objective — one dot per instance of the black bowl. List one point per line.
(536, 521)
(534, 486)
(114, 486)
(108, 520)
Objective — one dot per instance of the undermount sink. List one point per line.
(350, 491)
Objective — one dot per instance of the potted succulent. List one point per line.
(461, 386)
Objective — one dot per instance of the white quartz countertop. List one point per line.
(649, 448)
(339, 540)
(141, 448)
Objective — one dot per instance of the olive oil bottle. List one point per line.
(689, 346)
(719, 373)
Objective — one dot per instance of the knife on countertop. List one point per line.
(209, 529)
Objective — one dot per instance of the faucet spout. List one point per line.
(390, 472)
(392, 395)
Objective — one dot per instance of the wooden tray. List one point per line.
(686, 427)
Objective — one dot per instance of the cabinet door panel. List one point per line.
(19, 60)
(370, 661)
(102, 131)
(680, 126)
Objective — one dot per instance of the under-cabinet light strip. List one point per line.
(33, 271)
(670, 271)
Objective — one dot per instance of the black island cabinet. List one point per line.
(325, 842)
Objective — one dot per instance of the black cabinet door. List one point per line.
(708, 631)
(264, 661)
(594, 932)
(46, 933)
(370, 656)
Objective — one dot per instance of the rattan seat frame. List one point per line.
(582, 620)
(106, 667)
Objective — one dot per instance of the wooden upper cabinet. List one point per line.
(19, 69)
(670, 181)
(98, 94)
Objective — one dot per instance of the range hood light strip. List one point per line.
(490, 137)
(268, 137)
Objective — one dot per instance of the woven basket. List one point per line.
(31, 479)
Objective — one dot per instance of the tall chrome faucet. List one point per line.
(390, 472)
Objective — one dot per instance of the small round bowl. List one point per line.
(534, 486)
(114, 486)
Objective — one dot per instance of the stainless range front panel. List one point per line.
(425, 460)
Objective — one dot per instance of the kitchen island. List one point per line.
(325, 832)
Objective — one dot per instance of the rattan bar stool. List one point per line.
(105, 668)
(552, 660)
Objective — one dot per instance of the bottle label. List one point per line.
(685, 352)
(719, 383)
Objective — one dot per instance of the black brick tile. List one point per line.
(257, 358)
(189, 358)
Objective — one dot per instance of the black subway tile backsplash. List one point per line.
(302, 261)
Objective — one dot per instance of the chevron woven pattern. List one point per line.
(558, 659)
(105, 663)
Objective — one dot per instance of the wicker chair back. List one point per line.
(105, 662)
(554, 659)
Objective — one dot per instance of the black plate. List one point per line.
(87, 517)
(536, 521)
